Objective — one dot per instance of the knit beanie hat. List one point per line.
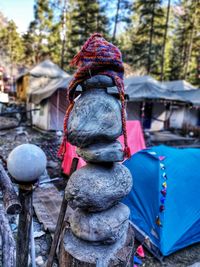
(97, 57)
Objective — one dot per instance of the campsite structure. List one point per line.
(162, 105)
(157, 105)
(41, 89)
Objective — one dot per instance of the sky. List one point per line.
(21, 11)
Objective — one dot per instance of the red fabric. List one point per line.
(135, 136)
(135, 140)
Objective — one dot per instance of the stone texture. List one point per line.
(105, 226)
(95, 117)
(102, 152)
(99, 81)
(97, 187)
(100, 255)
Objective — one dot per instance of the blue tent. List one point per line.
(165, 199)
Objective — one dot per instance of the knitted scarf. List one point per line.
(97, 57)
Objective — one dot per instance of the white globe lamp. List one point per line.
(26, 163)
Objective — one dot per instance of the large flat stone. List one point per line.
(102, 152)
(95, 117)
(96, 187)
(105, 226)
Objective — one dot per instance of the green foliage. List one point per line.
(11, 45)
(84, 17)
(186, 42)
(146, 33)
(165, 44)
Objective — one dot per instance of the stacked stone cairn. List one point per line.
(99, 222)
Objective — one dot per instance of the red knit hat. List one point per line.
(97, 57)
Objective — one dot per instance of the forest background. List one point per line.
(157, 37)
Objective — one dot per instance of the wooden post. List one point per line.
(24, 226)
(8, 242)
(60, 220)
(10, 199)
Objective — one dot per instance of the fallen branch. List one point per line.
(8, 242)
(10, 199)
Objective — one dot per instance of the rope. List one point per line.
(62, 148)
(120, 86)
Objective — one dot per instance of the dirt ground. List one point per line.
(10, 138)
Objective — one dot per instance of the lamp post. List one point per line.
(25, 163)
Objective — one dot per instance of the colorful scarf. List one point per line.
(97, 57)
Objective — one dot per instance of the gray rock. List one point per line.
(96, 117)
(99, 81)
(96, 187)
(102, 152)
(87, 252)
(105, 226)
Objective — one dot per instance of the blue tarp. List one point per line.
(165, 199)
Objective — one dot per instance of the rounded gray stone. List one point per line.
(105, 226)
(96, 187)
(99, 81)
(102, 152)
(95, 117)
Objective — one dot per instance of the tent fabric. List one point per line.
(179, 85)
(164, 201)
(190, 96)
(46, 68)
(57, 110)
(139, 88)
(47, 91)
(49, 69)
(135, 140)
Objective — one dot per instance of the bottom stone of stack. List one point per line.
(106, 226)
(79, 253)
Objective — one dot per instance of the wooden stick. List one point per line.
(60, 220)
(10, 199)
(8, 242)
(24, 225)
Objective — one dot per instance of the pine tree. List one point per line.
(11, 45)
(39, 30)
(146, 35)
(83, 17)
(186, 42)
(123, 11)
(165, 40)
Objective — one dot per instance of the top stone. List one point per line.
(98, 81)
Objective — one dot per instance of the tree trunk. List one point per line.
(64, 35)
(151, 38)
(10, 199)
(8, 242)
(188, 55)
(116, 21)
(164, 41)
